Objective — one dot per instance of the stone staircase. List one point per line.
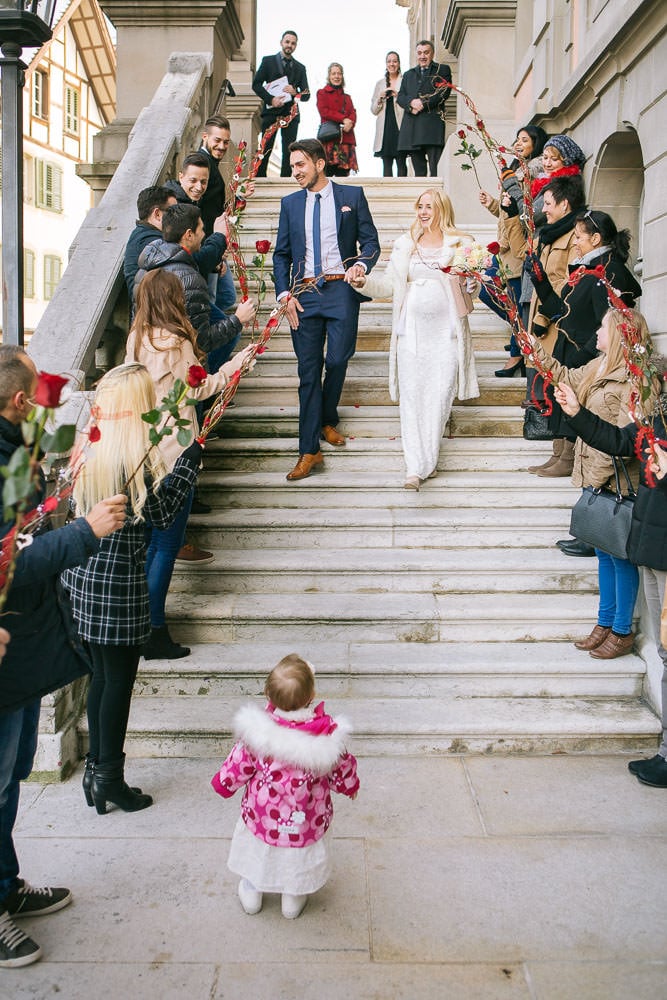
(439, 621)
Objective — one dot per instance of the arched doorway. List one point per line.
(617, 184)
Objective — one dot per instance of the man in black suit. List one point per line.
(422, 132)
(273, 68)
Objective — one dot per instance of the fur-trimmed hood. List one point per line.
(266, 737)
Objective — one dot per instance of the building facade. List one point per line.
(69, 95)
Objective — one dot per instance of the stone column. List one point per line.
(480, 33)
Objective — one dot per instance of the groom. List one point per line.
(326, 241)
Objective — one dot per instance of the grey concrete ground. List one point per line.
(465, 878)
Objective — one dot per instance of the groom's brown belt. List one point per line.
(324, 277)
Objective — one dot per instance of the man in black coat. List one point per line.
(271, 68)
(43, 655)
(422, 132)
(151, 203)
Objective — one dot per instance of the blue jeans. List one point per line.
(619, 583)
(221, 289)
(160, 558)
(514, 288)
(18, 744)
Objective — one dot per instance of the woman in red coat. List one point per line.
(334, 105)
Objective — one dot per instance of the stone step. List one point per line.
(390, 617)
(418, 670)
(454, 491)
(376, 528)
(363, 364)
(371, 421)
(385, 570)
(374, 454)
(374, 390)
(200, 727)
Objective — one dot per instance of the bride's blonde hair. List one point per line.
(443, 216)
(123, 394)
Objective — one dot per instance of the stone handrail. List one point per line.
(83, 305)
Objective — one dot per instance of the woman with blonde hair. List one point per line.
(109, 593)
(430, 357)
(603, 386)
(165, 342)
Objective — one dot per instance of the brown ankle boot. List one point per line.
(564, 465)
(595, 639)
(557, 447)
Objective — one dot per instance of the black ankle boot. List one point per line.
(87, 781)
(109, 786)
(161, 646)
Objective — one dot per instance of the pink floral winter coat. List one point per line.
(289, 762)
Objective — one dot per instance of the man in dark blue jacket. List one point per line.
(43, 655)
(326, 241)
(151, 203)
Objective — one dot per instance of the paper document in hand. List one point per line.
(277, 88)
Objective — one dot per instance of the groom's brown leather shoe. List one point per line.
(305, 466)
(331, 436)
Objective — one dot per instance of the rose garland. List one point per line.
(640, 363)
(238, 190)
(497, 153)
(21, 475)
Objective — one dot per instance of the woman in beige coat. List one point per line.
(603, 386)
(557, 248)
(164, 341)
(389, 115)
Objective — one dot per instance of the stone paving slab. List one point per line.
(455, 878)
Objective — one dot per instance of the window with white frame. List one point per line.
(53, 268)
(48, 186)
(40, 94)
(72, 100)
(28, 274)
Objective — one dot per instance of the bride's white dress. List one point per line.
(427, 361)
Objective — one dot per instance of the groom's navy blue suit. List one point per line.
(331, 311)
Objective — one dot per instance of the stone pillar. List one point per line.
(147, 34)
(480, 33)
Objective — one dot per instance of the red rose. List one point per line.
(261, 349)
(446, 269)
(272, 323)
(234, 245)
(94, 434)
(493, 247)
(49, 505)
(196, 376)
(461, 133)
(479, 123)
(263, 246)
(503, 149)
(49, 388)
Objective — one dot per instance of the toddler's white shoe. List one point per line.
(251, 899)
(292, 906)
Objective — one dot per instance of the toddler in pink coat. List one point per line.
(289, 756)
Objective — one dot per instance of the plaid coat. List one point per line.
(109, 594)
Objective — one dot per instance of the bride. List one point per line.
(430, 357)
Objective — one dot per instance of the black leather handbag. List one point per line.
(603, 518)
(536, 425)
(329, 132)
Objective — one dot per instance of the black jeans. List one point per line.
(288, 135)
(109, 697)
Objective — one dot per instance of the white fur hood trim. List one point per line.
(266, 738)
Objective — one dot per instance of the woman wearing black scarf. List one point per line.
(556, 250)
